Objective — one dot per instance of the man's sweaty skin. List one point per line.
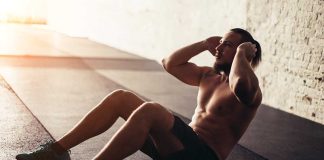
(229, 93)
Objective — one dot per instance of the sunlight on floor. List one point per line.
(7, 71)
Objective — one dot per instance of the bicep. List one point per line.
(250, 96)
(188, 73)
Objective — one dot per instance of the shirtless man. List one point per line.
(228, 98)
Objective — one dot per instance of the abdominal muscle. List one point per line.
(215, 132)
(220, 119)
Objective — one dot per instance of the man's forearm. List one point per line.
(241, 68)
(184, 54)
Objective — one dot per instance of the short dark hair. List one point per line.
(247, 37)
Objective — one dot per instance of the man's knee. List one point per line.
(123, 102)
(125, 96)
(117, 96)
(160, 122)
(113, 98)
(118, 93)
(149, 109)
(154, 115)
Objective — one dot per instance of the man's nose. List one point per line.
(219, 48)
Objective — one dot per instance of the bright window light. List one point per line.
(23, 11)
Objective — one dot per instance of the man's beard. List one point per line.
(222, 67)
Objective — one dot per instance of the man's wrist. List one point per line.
(204, 44)
(207, 46)
(241, 54)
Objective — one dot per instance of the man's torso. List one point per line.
(220, 119)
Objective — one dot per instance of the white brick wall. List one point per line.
(291, 33)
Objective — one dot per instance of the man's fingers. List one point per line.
(252, 45)
(254, 48)
(214, 40)
(212, 51)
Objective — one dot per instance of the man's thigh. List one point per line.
(130, 101)
(161, 122)
(177, 138)
(166, 145)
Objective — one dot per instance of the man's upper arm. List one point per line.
(188, 73)
(251, 97)
(257, 98)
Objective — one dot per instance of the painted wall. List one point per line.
(152, 29)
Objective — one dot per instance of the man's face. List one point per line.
(226, 51)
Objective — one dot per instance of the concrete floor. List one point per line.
(54, 80)
(20, 130)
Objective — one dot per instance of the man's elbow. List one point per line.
(165, 64)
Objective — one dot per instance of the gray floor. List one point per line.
(57, 79)
(20, 130)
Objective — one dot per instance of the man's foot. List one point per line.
(45, 152)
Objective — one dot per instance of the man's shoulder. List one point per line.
(207, 70)
(209, 75)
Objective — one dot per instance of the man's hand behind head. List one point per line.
(211, 43)
(249, 49)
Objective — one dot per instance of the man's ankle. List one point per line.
(58, 148)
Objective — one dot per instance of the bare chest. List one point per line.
(215, 95)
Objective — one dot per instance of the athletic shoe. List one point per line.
(44, 152)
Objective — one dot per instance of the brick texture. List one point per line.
(291, 34)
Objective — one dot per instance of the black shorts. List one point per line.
(194, 147)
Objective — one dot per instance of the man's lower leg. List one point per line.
(119, 103)
(129, 138)
(100, 119)
(149, 118)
